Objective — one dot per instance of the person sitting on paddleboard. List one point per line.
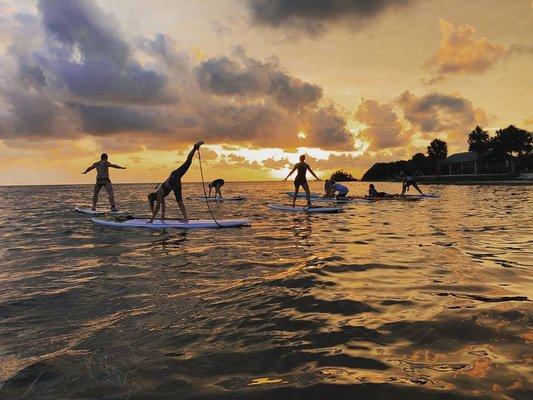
(301, 180)
(372, 192)
(216, 184)
(336, 189)
(173, 183)
(102, 180)
(409, 180)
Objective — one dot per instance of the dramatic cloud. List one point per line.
(246, 77)
(441, 113)
(460, 52)
(384, 129)
(93, 60)
(69, 72)
(312, 17)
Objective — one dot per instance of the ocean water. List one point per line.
(392, 300)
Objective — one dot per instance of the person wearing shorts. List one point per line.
(301, 180)
(172, 184)
(216, 184)
(102, 180)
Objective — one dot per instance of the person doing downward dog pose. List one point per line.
(301, 180)
(409, 180)
(173, 183)
(102, 180)
(216, 184)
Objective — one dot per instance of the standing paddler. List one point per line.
(301, 180)
(103, 181)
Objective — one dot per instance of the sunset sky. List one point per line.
(349, 83)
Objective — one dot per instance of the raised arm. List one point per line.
(90, 168)
(312, 173)
(290, 173)
(115, 166)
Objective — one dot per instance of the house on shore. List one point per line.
(471, 163)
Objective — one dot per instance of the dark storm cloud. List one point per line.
(311, 16)
(93, 60)
(244, 76)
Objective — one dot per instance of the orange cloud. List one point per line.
(460, 52)
(438, 113)
(384, 129)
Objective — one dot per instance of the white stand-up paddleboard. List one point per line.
(172, 223)
(302, 194)
(225, 198)
(345, 200)
(98, 212)
(300, 209)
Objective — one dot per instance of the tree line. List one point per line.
(508, 141)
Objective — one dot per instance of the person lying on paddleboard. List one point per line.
(216, 184)
(301, 180)
(336, 189)
(372, 192)
(173, 183)
(409, 180)
(102, 180)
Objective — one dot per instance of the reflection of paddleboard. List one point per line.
(225, 198)
(281, 207)
(302, 194)
(345, 200)
(172, 223)
(98, 212)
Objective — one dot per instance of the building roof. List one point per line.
(462, 157)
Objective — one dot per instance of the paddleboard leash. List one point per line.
(205, 192)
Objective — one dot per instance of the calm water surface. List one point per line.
(395, 300)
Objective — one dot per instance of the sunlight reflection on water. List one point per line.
(407, 300)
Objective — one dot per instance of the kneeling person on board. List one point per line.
(216, 184)
(409, 180)
(372, 192)
(173, 183)
(102, 180)
(336, 189)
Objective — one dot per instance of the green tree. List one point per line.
(437, 150)
(478, 140)
(513, 140)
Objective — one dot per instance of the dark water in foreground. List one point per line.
(396, 300)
